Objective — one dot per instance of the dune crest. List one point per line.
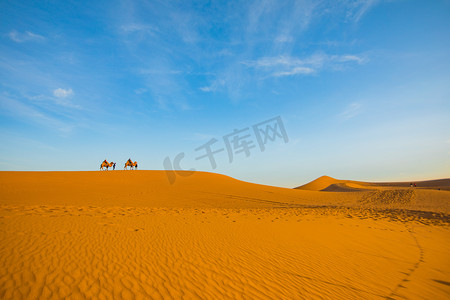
(327, 183)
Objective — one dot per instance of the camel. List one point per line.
(130, 164)
(106, 165)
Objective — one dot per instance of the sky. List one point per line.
(350, 89)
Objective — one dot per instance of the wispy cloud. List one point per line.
(349, 58)
(216, 85)
(167, 88)
(138, 28)
(357, 9)
(26, 36)
(62, 96)
(351, 111)
(161, 71)
(62, 93)
(207, 88)
(8, 135)
(186, 25)
(274, 61)
(256, 40)
(53, 102)
(256, 13)
(284, 38)
(140, 91)
(294, 71)
(38, 84)
(280, 66)
(28, 113)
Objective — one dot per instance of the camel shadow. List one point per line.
(442, 282)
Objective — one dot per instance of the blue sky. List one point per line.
(362, 87)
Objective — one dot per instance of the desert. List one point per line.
(247, 149)
(133, 235)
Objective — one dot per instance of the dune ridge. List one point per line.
(132, 235)
(327, 183)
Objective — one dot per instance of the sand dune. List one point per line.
(326, 183)
(329, 184)
(133, 235)
(320, 183)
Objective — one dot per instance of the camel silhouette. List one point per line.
(130, 164)
(105, 164)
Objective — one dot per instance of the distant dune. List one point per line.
(131, 234)
(443, 184)
(326, 183)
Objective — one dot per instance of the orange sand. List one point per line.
(130, 234)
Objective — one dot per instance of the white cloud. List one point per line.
(24, 37)
(348, 58)
(274, 61)
(214, 86)
(294, 71)
(62, 93)
(206, 89)
(279, 66)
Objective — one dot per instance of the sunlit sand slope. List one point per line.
(128, 235)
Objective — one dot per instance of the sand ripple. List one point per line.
(55, 252)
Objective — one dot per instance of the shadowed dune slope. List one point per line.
(344, 187)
